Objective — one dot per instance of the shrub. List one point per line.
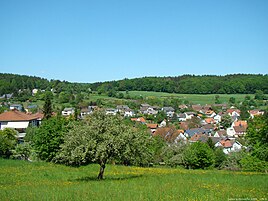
(198, 155)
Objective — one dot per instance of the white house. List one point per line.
(129, 113)
(67, 111)
(169, 111)
(182, 117)
(19, 121)
(229, 145)
(217, 118)
(189, 115)
(111, 111)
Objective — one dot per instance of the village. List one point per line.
(190, 123)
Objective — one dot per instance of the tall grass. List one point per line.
(21, 180)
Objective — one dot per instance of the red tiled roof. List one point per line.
(226, 143)
(209, 120)
(15, 115)
(241, 123)
(240, 129)
(140, 119)
(152, 126)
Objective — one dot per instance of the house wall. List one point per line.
(18, 124)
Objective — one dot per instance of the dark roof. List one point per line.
(193, 131)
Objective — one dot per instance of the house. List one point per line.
(254, 113)
(181, 137)
(84, 112)
(19, 121)
(220, 133)
(184, 125)
(169, 134)
(182, 117)
(122, 108)
(240, 123)
(16, 107)
(67, 111)
(111, 111)
(140, 119)
(129, 113)
(190, 115)
(210, 113)
(183, 107)
(6, 96)
(169, 111)
(125, 111)
(152, 127)
(87, 111)
(229, 145)
(163, 124)
(240, 131)
(230, 132)
(147, 109)
(233, 112)
(191, 132)
(209, 120)
(208, 127)
(197, 108)
(217, 118)
(198, 137)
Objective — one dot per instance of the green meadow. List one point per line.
(192, 98)
(20, 180)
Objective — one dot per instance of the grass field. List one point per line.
(192, 98)
(21, 180)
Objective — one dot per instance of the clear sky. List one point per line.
(98, 40)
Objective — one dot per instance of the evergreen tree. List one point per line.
(47, 106)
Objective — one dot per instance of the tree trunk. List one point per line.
(102, 167)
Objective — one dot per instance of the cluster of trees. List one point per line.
(190, 84)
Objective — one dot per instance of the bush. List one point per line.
(220, 157)
(232, 161)
(198, 155)
(251, 163)
(22, 151)
(8, 142)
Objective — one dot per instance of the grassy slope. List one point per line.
(193, 98)
(44, 181)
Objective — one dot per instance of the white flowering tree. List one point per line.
(102, 138)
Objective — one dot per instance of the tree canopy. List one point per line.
(101, 139)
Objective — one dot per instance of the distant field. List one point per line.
(21, 180)
(192, 98)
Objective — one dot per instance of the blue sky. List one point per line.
(98, 40)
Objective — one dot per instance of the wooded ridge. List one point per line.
(185, 84)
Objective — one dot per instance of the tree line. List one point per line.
(185, 84)
(190, 84)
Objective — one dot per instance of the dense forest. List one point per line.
(186, 84)
(191, 84)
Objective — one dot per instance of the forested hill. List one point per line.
(191, 84)
(188, 84)
(12, 83)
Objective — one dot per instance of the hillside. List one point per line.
(186, 84)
